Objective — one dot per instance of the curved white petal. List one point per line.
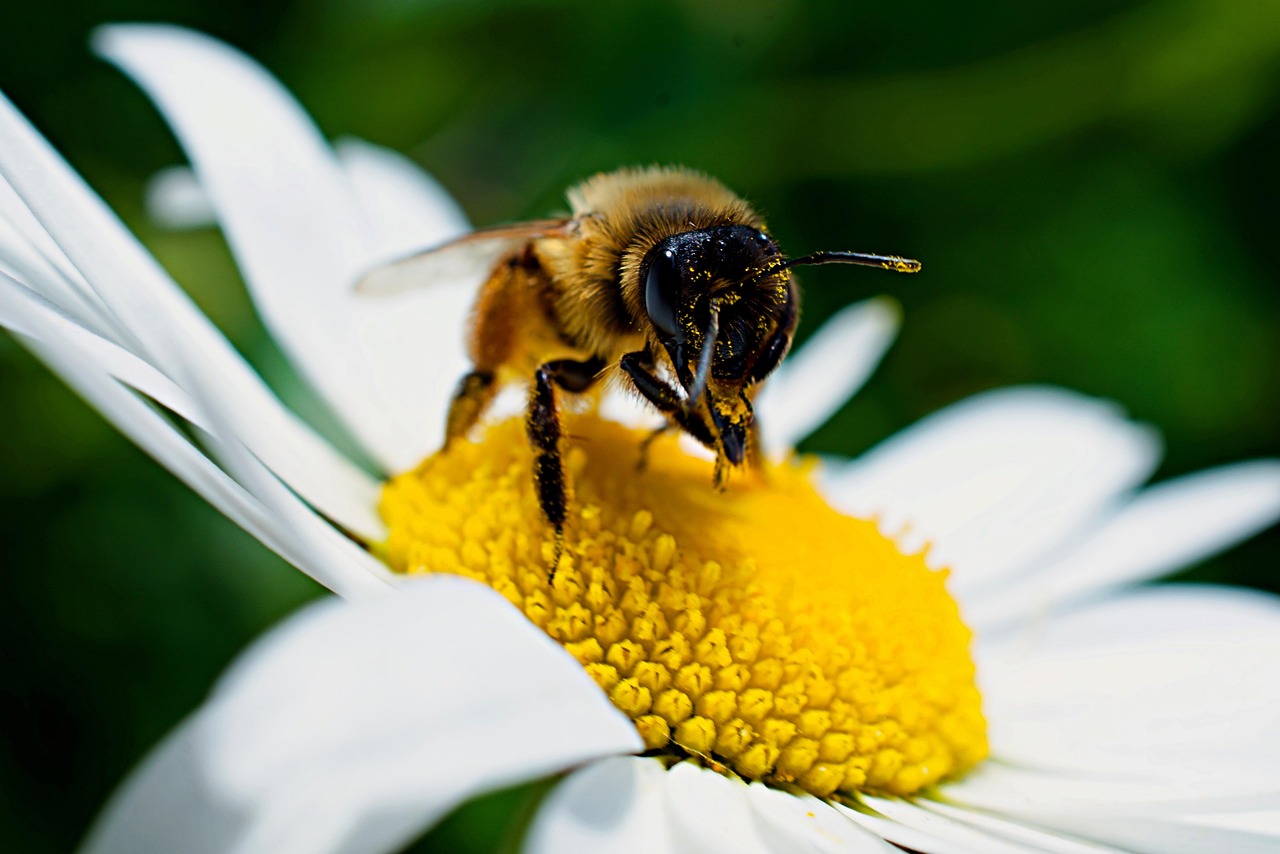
(1166, 527)
(28, 314)
(1172, 688)
(821, 376)
(629, 804)
(997, 480)
(355, 726)
(400, 201)
(710, 812)
(270, 511)
(167, 327)
(151, 432)
(325, 553)
(303, 237)
(29, 255)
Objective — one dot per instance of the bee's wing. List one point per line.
(470, 257)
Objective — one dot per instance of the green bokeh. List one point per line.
(1092, 186)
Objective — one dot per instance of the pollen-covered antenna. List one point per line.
(704, 358)
(862, 259)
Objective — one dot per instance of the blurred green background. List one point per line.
(1092, 186)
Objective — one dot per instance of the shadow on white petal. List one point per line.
(355, 726)
(615, 805)
(303, 234)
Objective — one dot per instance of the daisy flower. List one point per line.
(761, 670)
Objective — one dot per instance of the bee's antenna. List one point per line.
(862, 259)
(704, 358)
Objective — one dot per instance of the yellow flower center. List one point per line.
(755, 629)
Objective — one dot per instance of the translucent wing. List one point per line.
(470, 258)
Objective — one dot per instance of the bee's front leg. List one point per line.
(543, 427)
(639, 367)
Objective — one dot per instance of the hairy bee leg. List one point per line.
(543, 427)
(665, 399)
(474, 392)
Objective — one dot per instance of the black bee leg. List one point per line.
(643, 462)
(639, 367)
(475, 390)
(543, 427)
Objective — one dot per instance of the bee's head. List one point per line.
(719, 299)
(722, 305)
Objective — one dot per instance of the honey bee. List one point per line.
(660, 276)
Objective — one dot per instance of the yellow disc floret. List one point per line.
(754, 629)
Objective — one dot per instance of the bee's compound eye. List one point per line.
(660, 291)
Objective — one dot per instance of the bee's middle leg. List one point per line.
(472, 396)
(543, 427)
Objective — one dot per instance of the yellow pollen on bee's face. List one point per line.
(755, 629)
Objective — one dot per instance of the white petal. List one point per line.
(400, 201)
(302, 238)
(710, 812)
(1166, 527)
(29, 255)
(169, 328)
(1117, 812)
(631, 804)
(1175, 686)
(151, 432)
(997, 480)
(324, 553)
(28, 314)
(804, 823)
(355, 726)
(616, 805)
(270, 512)
(821, 376)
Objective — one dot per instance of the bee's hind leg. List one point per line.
(543, 427)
